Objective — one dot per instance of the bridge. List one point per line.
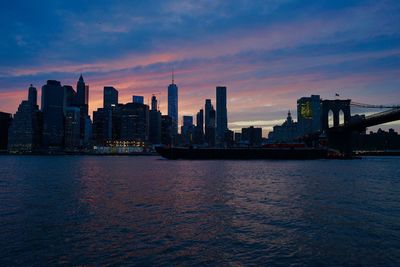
(339, 135)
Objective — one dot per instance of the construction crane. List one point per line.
(362, 105)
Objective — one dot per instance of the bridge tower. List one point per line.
(338, 138)
(335, 106)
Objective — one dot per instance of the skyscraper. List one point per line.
(222, 117)
(32, 95)
(154, 122)
(83, 104)
(110, 97)
(207, 109)
(72, 127)
(53, 114)
(173, 105)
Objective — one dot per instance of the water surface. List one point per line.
(87, 210)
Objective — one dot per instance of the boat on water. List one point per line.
(295, 153)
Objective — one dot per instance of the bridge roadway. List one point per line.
(368, 121)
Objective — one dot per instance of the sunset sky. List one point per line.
(268, 53)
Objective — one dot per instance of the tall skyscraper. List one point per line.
(207, 109)
(173, 105)
(154, 122)
(200, 119)
(110, 97)
(32, 95)
(70, 96)
(53, 98)
(82, 95)
(222, 117)
(153, 103)
(82, 92)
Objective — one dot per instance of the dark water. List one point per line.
(147, 211)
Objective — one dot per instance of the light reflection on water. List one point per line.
(146, 211)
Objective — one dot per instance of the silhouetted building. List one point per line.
(154, 123)
(166, 130)
(102, 126)
(83, 104)
(198, 136)
(72, 128)
(210, 133)
(25, 132)
(5, 122)
(173, 105)
(252, 136)
(110, 97)
(70, 96)
(53, 114)
(207, 108)
(32, 95)
(222, 116)
(285, 133)
(138, 99)
(134, 122)
(308, 115)
(187, 130)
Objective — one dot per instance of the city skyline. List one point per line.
(350, 48)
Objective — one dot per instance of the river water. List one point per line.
(91, 210)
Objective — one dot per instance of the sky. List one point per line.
(268, 53)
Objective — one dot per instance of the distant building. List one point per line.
(222, 116)
(309, 115)
(110, 97)
(32, 95)
(285, 133)
(83, 104)
(72, 128)
(198, 135)
(252, 136)
(210, 133)
(25, 132)
(154, 123)
(134, 122)
(5, 123)
(166, 130)
(102, 126)
(173, 105)
(138, 99)
(187, 130)
(70, 99)
(53, 114)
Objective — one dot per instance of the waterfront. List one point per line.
(87, 210)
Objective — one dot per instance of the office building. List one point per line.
(210, 133)
(173, 105)
(25, 131)
(102, 126)
(134, 119)
(53, 114)
(138, 99)
(198, 136)
(309, 114)
(154, 122)
(82, 92)
(166, 130)
(70, 96)
(5, 122)
(32, 95)
(222, 117)
(110, 97)
(187, 130)
(72, 128)
(252, 136)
